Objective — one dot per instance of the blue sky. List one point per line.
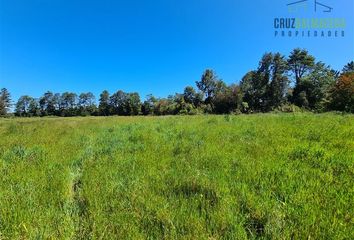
(150, 46)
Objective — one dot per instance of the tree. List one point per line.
(47, 104)
(125, 104)
(162, 107)
(117, 102)
(227, 99)
(266, 88)
(192, 97)
(349, 68)
(207, 85)
(342, 93)
(248, 89)
(57, 104)
(33, 108)
(104, 104)
(262, 81)
(133, 104)
(255, 86)
(166, 106)
(86, 104)
(278, 87)
(68, 104)
(189, 95)
(178, 105)
(3, 110)
(24, 106)
(314, 86)
(313, 89)
(149, 104)
(5, 101)
(300, 64)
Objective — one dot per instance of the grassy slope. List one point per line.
(259, 176)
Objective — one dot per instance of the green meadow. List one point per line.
(262, 176)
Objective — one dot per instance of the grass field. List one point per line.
(271, 176)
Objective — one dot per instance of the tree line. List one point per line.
(278, 84)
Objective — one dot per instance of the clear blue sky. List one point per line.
(148, 46)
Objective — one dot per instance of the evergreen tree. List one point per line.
(5, 101)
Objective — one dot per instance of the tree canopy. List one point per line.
(277, 84)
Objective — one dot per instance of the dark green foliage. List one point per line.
(192, 97)
(208, 85)
(86, 104)
(349, 68)
(133, 104)
(117, 102)
(278, 87)
(300, 63)
(104, 106)
(33, 108)
(149, 105)
(68, 104)
(27, 107)
(227, 100)
(265, 89)
(315, 87)
(247, 85)
(125, 104)
(261, 83)
(47, 104)
(166, 106)
(5, 101)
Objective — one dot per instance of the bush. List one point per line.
(289, 108)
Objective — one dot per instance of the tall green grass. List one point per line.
(271, 176)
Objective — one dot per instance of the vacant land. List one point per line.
(267, 176)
